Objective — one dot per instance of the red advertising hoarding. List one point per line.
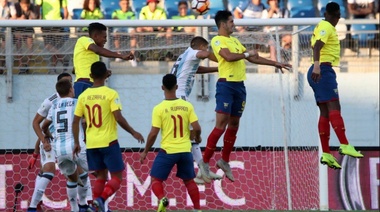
(260, 184)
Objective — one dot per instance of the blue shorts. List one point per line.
(326, 90)
(230, 98)
(106, 158)
(164, 163)
(80, 86)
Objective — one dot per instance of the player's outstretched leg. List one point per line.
(337, 124)
(193, 191)
(329, 160)
(39, 189)
(197, 156)
(205, 171)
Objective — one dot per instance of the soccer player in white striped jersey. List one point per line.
(185, 68)
(47, 171)
(61, 116)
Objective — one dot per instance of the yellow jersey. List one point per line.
(232, 71)
(84, 58)
(158, 14)
(174, 117)
(97, 106)
(330, 52)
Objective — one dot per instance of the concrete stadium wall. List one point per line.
(263, 122)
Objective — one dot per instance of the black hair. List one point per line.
(183, 3)
(98, 70)
(222, 16)
(197, 42)
(60, 76)
(332, 8)
(63, 87)
(169, 81)
(96, 27)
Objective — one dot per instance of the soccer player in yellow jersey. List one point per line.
(173, 116)
(230, 91)
(87, 51)
(322, 78)
(101, 107)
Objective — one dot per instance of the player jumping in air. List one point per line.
(185, 68)
(322, 79)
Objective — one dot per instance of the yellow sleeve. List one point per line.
(79, 107)
(156, 118)
(322, 33)
(115, 103)
(193, 116)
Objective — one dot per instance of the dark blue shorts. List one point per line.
(230, 98)
(164, 163)
(326, 89)
(80, 86)
(106, 158)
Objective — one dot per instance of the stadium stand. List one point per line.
(76, 13)
(137, 5)
(171, 8)
(363, 39)
(321, 6)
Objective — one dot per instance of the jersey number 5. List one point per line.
(180, 120)
(96, 110)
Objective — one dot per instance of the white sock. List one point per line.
(196, 151)
(72, 190)
(89, 189)
(39, 188)
(83, 191)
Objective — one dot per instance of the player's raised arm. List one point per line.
(263, 61)
(108, 53)
(231, 57)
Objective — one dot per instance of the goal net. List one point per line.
(275, 161)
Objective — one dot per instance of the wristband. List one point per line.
(246, 54)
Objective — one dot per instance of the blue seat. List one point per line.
(77, 12)
(109, 4)
(171, 8)
(362, 38)
(215, 6)
(108, 12)
(232, 4)
(137, 5)
(299, 3)
(322, 7)
(302, 12)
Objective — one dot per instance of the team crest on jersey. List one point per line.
(117, 101)
(322, 33)
(217, 43)
(336, 90)
(225, 104)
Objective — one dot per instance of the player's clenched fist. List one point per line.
(32, 160)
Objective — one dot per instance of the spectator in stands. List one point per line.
(274, 11)
(183, 9)
(54, 37)
(91, 10)
(361, 8)
(153, 12)
(7, 11)
(249, 9)
(25, 10)
(124, 13)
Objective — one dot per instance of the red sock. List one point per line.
(324, 133)
(158, 188)
(212, 140)
(338, 126)
(111, 187)
(193, 191)
(98, 188)
(229, 141)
